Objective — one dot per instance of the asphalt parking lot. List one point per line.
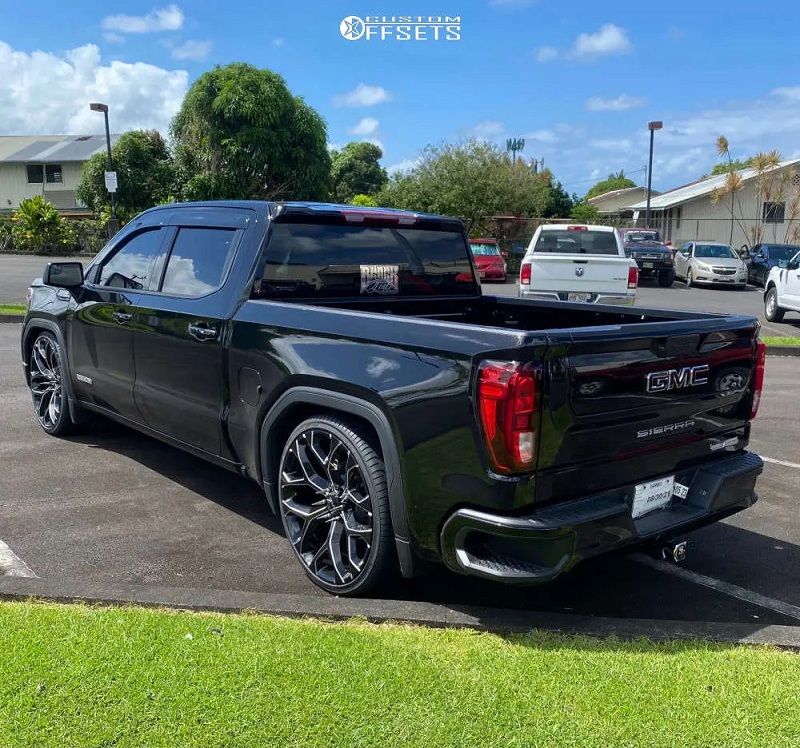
(113, 506)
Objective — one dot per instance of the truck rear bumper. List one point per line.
(594, 298)
(538, 547)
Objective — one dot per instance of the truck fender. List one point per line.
(346, 404)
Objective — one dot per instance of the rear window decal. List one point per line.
(380, 279)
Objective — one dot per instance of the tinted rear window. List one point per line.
(332, 260)
(577, 242)
(484, 249)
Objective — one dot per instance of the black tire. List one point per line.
(666, 278)
(772, 311)
(336, 515)
(47, 375)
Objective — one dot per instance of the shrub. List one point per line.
(5, 234)
(38, 228)
(365, 201)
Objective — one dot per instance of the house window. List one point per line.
(35, 173)
(774, 212)
(53, 174)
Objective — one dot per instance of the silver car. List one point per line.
(710, 262)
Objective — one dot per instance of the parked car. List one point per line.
(711, 263)
(578, 263)
(653, 256)
(764, 257)
(345, 360)
(782, 289)
(490, 262)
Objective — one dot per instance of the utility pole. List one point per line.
(652, 126)
(111, 177)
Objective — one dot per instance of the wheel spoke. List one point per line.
(355, 529)
(334, 543)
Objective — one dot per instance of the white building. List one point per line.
(689, 212)
(47, 165)
(617, 202)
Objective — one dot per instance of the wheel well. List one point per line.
(31, 334)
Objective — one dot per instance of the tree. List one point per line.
(472, 180)
(38, 227)
(737, 164)
(145, 174)
(616, 181)
(355, 171)
(241, 133)
(560, 201)
(364, 201)
(585, 213)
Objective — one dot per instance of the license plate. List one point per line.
(578, 297)
(482, 273)
(647, 264)
(652, 495)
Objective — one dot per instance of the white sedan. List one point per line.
(713, 263)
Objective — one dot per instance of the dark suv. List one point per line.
(652, 255)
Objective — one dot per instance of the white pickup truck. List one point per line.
(782, 289)
(578, 262)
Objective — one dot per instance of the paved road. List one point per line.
(115, 506)
(17, 272)
(715, 300)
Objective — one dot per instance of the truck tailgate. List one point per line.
(625, 406)
(571, 272)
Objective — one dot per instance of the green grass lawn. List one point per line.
(788, 340)
(81, 676)
(12, 309)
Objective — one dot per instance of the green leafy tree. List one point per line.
(355, 170)
(145, 175)
(38, 227)
(560, 201)
(473, 180)
(365, 201)
(616, 181)
(734, 164)
(585, 213)
(241, 133)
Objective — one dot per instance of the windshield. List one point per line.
(570, 241)
(642, 236)
(715, 250)
(333, 260)
(484, 249)
(781, 252)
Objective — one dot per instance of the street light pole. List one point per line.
(98, 107)
(652, 126)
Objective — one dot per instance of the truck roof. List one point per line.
(573, 226)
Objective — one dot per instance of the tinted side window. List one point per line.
(136, 263)
(198, 260)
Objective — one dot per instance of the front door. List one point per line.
(682, 260)
(100, 346)
(792, 292)
(178, 338)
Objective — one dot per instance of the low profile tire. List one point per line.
(689, 279)
(47, 377)
(334, 505)
(771, 309)
(666, 278)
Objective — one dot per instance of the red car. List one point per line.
(489, 261)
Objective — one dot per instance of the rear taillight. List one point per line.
(508, 409)
(633, 276)
(758, 378)
(525, 274)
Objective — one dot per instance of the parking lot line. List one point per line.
(726, 588)
(11, 565)
(780, 462)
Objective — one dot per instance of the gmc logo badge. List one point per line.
(677, 379)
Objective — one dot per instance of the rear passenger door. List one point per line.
(178, 339)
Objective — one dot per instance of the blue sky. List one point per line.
(577, 80)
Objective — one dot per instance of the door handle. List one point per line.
(201, 331)
(122, 317)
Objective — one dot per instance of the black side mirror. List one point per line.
(793, 264)
(63, 274)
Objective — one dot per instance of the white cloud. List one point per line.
(609, 39)
(619, 104)
(192, 49)
(541, 136)
(363, 96)
(159, 19)
(404, 165)
(787, 92)
(365, 126)
(612, 144)
(278, 41)
(374, 141)
(488, 129)
(112, 37)
(546, 54)
(47, 93)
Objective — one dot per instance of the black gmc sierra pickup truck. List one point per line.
(346, 360)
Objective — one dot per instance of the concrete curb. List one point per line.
(496, 620)
(783, 350)
(11, 318)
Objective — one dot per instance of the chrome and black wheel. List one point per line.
(772, 311)
(334, 506)
(47, 384)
